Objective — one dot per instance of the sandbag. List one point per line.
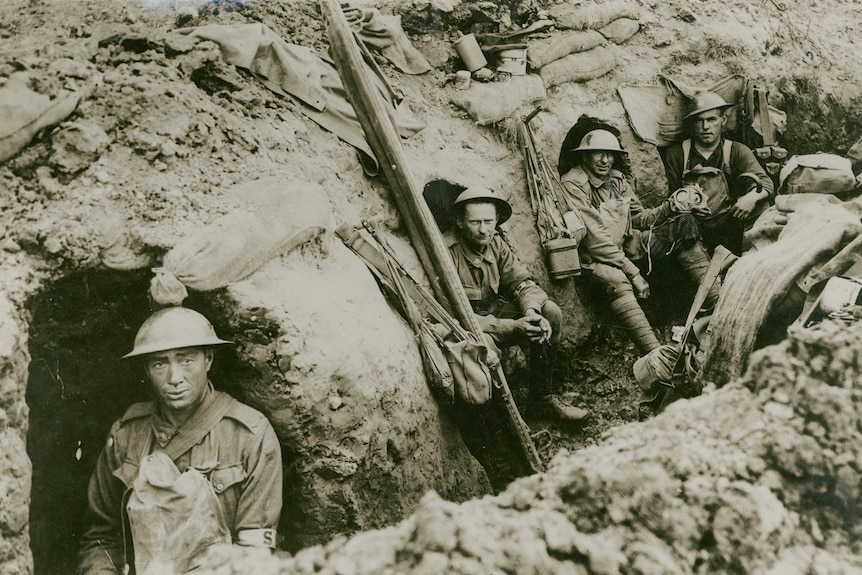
(489, 103)
(543, 52)
(620, 30)
(591, 16)
(580, 67)
(23, 112)
(277, 216)
(816, 174)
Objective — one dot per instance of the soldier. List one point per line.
(737, 187)
(614, 216)
(192, 468)
(511, 306)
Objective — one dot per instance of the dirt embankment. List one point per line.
(168, 137)
(762, 476)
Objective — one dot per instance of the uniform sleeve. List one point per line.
(102, 543)
(597, 241)
(517, 281)
(673, 168)
(645, 218)
(502, 327)
(742, 160)
(259, 505)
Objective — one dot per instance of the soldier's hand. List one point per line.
(640, 286)
(492, 359)
(744, 206)
(530, 325)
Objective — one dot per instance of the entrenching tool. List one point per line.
(424, 233)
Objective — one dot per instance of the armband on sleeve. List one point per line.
(257, 538)
(527, 283)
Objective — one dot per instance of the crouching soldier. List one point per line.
(512, 308)
(613, 216)
(188, 470)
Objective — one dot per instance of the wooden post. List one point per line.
(424, 233)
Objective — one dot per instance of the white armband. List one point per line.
(256, 538)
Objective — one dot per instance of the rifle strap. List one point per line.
(721, 260)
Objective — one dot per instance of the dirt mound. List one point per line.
(759, 477)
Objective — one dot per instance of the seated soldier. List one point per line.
(613, 215)
(512, 308)
(738, 187)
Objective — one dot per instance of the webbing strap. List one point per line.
(199, 425)
(725, 156)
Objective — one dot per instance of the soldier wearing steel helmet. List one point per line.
(192, 468)
(511, 307)
(614, 249)
(746, 189)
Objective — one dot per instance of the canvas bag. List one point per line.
(816, 174)
(455, 363)
(468, 367)
(174, 517)
(712, 181)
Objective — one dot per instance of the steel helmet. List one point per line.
(174, 328)
(504, 210)
(706, 101)
(599, 141)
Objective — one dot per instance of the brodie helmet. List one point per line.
(475, 195)
(174, 328)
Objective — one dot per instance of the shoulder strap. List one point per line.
(199, 425)
(725, 158)
(686, 153)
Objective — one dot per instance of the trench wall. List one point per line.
(15, 468)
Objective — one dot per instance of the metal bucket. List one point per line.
(563, 259)
(839, 294)
(470, 52)
(512, 61)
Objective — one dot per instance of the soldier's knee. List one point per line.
(552, 312)
(614, 281)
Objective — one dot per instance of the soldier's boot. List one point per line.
(542, 400)
(694, 262)
(628, 311)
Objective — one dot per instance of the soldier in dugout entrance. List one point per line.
(188, 470)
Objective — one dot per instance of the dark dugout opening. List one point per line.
(78, 386)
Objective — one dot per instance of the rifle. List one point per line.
(559, 228)
(424, 233)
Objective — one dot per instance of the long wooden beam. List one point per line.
(425, 235)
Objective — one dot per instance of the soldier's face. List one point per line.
(599, 163)
(708, 126)
(478, 224)
(179, 377)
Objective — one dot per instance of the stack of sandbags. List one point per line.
(579, 53)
